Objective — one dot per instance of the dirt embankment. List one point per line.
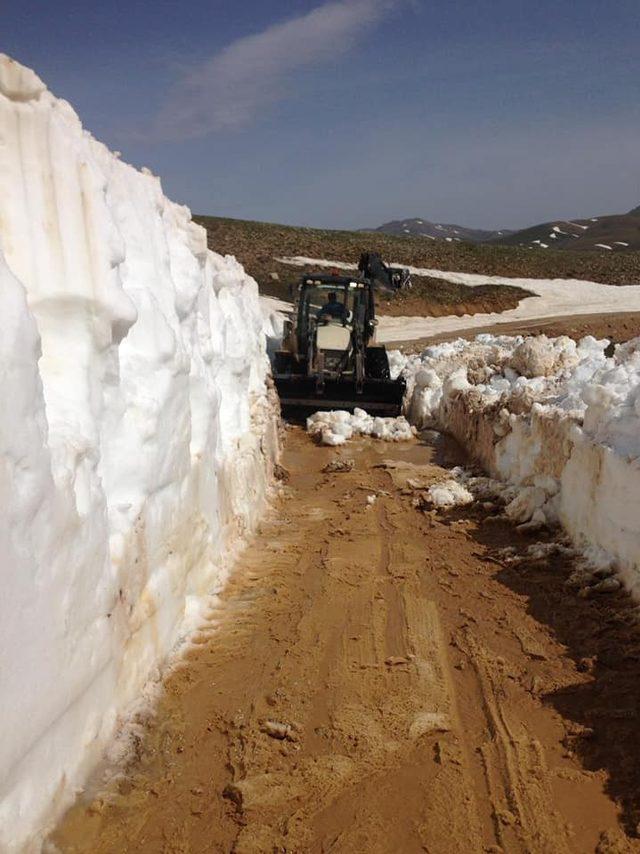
(378, 679)
(438, 298)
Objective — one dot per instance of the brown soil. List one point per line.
(437, 298)
(427, 696)
(618, 327)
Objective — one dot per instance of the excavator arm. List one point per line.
(373, 268)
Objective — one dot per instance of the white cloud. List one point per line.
(230, 89)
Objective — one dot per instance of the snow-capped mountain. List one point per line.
(610, 233)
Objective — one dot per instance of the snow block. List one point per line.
(137, 435)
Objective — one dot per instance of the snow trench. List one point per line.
(556, 419)
(137, 436)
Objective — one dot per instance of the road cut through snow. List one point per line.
(557, 421)
(554, 298)
(379, 679)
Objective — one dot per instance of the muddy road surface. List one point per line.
(376, 678)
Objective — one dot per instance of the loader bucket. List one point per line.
(299, 395)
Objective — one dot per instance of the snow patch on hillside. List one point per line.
(303, 261)
(136, 435)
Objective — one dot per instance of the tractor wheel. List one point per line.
(283, 362)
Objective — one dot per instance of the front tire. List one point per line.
(377, 363)
(282, 362)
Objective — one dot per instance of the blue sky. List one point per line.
(491, 113)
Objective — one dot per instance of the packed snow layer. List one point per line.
(556, 419)
(554, 298)
(136, 437)
(274, 313)
(338, 426)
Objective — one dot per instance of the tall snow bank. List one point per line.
(555, 418)
(136, 436)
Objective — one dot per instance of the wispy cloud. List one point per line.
(231, 88)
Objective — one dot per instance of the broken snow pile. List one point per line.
(449, 493)
(338, 426)
(136, 440)
(555, 418)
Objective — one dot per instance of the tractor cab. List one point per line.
(330, 311)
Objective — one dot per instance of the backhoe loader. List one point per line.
(329, 358)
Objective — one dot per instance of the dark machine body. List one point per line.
(372, 267)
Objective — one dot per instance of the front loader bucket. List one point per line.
(378, 397)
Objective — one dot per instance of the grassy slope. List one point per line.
(256, 244)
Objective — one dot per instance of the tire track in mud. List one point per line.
(515, 770)
(363, 684)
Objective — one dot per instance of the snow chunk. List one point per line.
(17, 82)
(337, 427)
(541, 357)
(448, 494)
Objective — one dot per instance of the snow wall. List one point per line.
(137, 434)
(558, 420)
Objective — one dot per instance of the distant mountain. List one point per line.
(613, 233)
(439, 231)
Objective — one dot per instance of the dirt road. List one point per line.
(378, 679)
